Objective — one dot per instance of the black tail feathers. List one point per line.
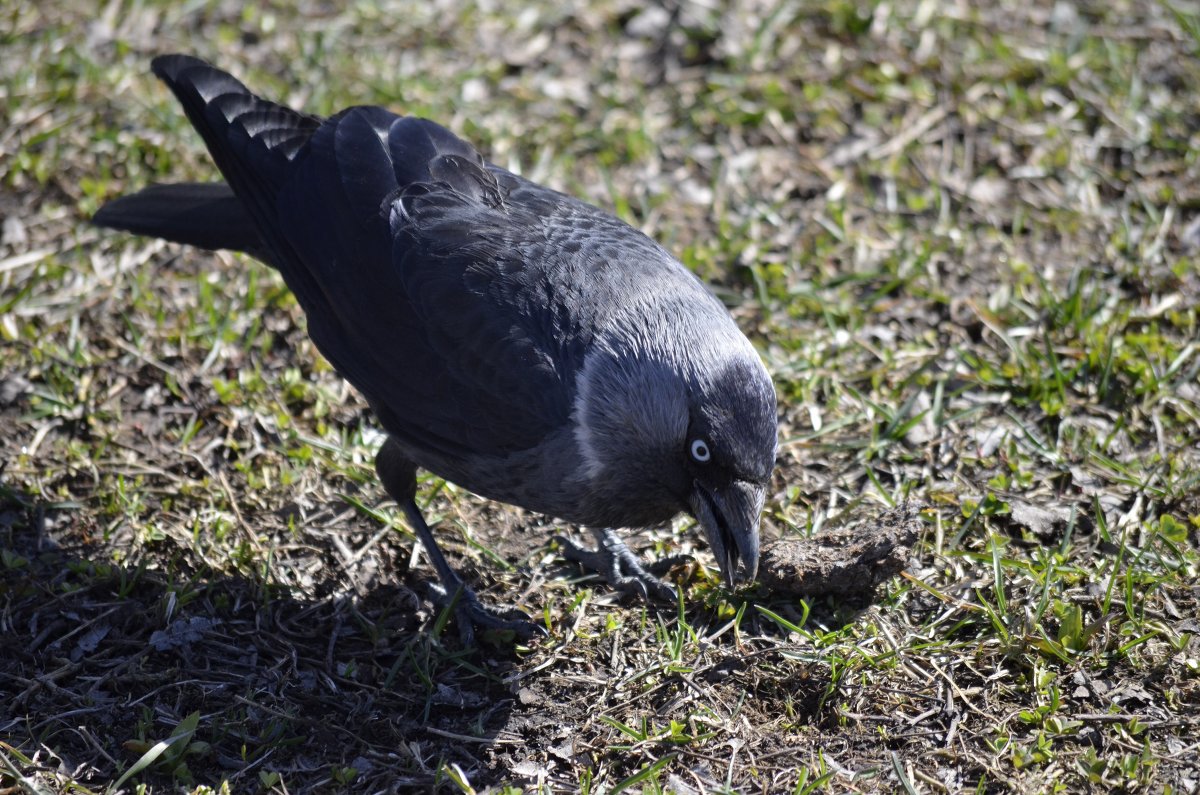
(206, 215)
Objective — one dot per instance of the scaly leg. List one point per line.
(399, 477)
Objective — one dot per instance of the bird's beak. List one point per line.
(729, 516)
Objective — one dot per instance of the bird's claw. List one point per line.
(471, 614)
(613, 561)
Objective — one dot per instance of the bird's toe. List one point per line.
(621, 569)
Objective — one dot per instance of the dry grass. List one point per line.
(964, 237)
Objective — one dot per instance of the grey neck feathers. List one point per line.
(641, 380)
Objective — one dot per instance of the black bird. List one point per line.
(511, 339)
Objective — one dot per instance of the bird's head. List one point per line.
(682, 421)
(728, 453)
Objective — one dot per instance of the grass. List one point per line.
(964, 238)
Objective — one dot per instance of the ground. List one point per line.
(962, 235)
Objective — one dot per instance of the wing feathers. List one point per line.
(397, 240)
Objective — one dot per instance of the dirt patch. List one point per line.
(849, 562)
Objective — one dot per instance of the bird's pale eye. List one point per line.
(700, 451)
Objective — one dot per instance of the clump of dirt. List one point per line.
(847, 562)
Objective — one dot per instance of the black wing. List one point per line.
(418, 277)
(430, 306)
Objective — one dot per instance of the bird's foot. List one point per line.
(613, 561)
(471, 614)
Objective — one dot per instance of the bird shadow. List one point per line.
(102, 659)
(259, 684)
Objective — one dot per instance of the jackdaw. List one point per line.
(511, 339)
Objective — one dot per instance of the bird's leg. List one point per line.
(613, 561)
(398, 475)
